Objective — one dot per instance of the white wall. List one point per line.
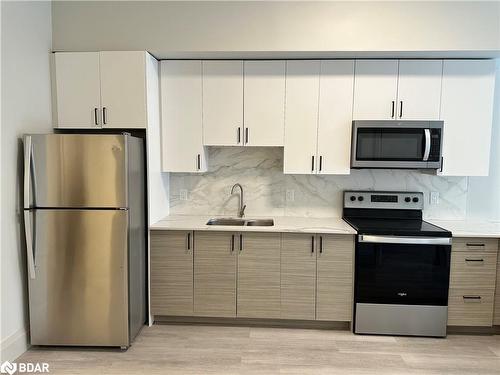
(282, 29)
(26, 43)
(483, 200)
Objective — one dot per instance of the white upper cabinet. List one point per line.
(100, 89)
(467, 112)
(375, 89)
(181, 116)
(123, 89)
(335, 116)
(77, 97)
(264, 103)
(301, 116)
(419, 89)
(223, 103)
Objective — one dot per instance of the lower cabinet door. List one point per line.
(259, 275)
(334, 277)
(172, 272)
(215, 262)
(298, 276)
(470, 307)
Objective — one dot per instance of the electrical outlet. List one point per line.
(290, 195)
(434, 197)
(183, 194)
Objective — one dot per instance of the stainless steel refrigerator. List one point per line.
(85, 227)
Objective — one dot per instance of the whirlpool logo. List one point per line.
(402, 294)
(23, 368)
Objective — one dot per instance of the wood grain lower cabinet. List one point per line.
(172, 272)
(298, 276)
(215, 261)
(472, 282)
(334, 279)
(496, 314)
(259, 275)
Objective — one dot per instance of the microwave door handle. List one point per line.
(427, 150)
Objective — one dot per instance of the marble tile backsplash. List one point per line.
(260, 171)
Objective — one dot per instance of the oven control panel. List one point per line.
(395, 200)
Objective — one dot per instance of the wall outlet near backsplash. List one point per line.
(434, 198)
(290, 195)
(183, 194)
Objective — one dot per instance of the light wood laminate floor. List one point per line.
(195, 349)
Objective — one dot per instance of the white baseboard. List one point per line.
(14, 346)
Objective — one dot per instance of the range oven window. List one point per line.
(386, 144)
(405, 274)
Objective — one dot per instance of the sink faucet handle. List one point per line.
(242, 211)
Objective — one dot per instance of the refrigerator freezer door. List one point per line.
(75, 170)
(79, 295)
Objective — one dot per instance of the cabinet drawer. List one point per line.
(475, 244)
(470, 307)
(473, 269)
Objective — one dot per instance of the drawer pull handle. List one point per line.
(475, 245)
(472, 298)
(474, 260)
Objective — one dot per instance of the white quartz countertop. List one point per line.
(333, 225)
(466, 228)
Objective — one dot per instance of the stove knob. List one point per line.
(407, 199)
(415, 199)
(352, 198)
(360, 198)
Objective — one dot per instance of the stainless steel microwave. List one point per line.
(397, 144)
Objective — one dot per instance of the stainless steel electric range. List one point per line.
(402, 265)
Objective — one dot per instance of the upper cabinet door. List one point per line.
(419, 89)
(123, 89)
(223, 103)
(335, 116)
(467, 112)
(182, 146)
(77, 89)
(301, 116)
(264, 103)
(375, 89)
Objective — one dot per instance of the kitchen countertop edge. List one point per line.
(281, 224)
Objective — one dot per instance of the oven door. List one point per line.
(396, 145)
(402, 270)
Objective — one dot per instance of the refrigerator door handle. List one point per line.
(29, 244)
(27, 170)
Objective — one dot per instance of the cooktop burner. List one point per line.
(388, 213)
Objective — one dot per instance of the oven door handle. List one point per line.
(427, 149)
(405, 240)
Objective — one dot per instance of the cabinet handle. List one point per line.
(312, 164)
(198, 161)
(241, 242)
(104, 115)
(392, 110)
(232, 242)
(472, 298)
(474, 260)
(400, 109)
(239, 134)
(95, 117)
(246, 135)
(320, 162)
(475, 244)
(189, 240)
(312, 244)
(321, 244)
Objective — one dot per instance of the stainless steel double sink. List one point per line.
(241, 222)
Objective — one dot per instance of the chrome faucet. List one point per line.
(241, 210)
